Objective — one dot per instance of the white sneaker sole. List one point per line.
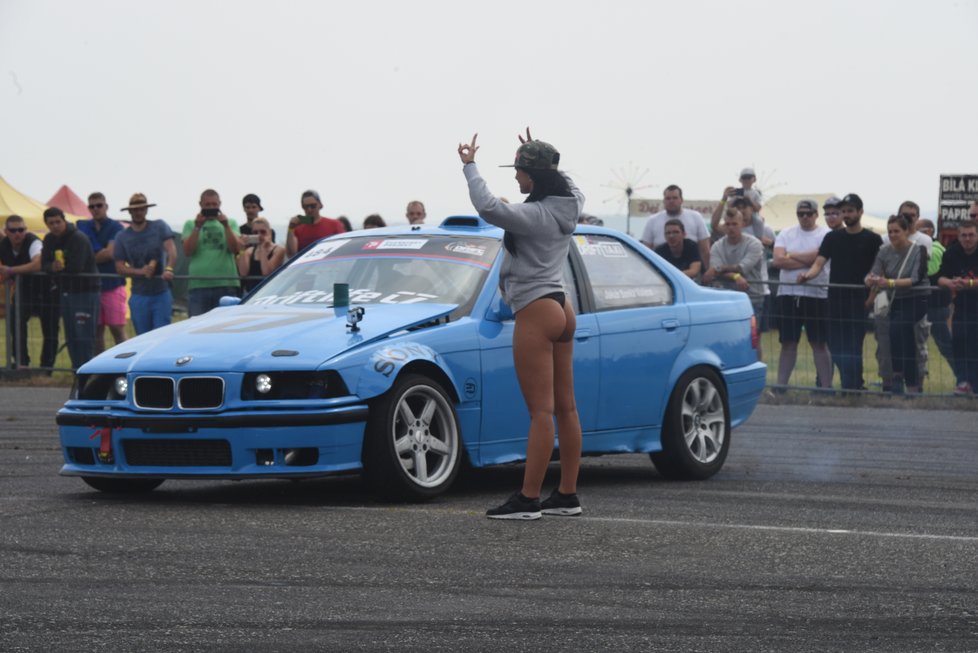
(563, 512)
(523, 516)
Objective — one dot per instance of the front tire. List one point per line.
(123, 485)
(412, 448)
(696, 429)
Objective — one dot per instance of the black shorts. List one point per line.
(797, 312)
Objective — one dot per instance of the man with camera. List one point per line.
(211, 243)
(308, 228)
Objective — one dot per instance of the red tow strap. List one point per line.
(105, 445)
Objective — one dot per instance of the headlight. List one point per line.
(274, 386)
(100, 387)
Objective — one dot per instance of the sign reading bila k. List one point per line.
(957, 194)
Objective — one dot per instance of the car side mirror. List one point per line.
(228, 300)
(499, 311)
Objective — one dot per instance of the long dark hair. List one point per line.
(546, 183)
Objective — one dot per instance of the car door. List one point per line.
(642, 331)
(505, 420)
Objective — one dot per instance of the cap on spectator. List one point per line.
(251, 198)
(831, 202)
(137, 201)
(747, 172)
(807, 205)
(853, 200)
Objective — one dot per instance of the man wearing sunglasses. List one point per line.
(20, 256)
(102, 231)
(802, 305)
(308, 228)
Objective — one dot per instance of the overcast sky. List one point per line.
(367, 101)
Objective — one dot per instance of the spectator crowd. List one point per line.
(835, 281)
(87, 266)
(830, 282)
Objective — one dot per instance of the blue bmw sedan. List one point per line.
(389, 352)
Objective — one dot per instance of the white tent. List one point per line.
(779, 212)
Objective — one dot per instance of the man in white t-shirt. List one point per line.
(802, 305)
(654, 233)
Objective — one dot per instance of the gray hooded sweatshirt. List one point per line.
(541, 231)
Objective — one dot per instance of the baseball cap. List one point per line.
(251, 198)
(853, 200)
(536, 155)
(747, 172)
(807, 205)
(830, 202)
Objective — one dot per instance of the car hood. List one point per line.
(241, 338)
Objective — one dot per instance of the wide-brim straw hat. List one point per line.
(137, 201)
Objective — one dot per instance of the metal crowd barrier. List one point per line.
(939, 370)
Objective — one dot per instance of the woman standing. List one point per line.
(262, 258)
(538, 234)
(900, 269)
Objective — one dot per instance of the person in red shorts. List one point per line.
(308, 228)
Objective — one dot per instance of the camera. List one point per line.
(210, 213)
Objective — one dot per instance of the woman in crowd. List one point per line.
(262, 258)
(900, 270)
(538, 235)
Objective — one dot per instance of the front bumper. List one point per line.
(234, 445)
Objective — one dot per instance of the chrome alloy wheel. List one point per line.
(704, 424)
(425, 436)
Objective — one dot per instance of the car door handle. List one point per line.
(582, 334)
(671, 324)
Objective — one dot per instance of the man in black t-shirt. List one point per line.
(682, 252)
(959, 273)
(852, 251)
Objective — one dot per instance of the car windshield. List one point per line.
(408, 269)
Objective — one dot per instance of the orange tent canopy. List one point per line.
(13, 202)
(69, 202)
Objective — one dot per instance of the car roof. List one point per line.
(461, 225)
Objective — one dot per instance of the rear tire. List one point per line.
(123, 485)
(412, 449)
(696, 429)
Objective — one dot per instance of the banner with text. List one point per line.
(957, 194)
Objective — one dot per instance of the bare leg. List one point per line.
(568, 422)
(786, 362)
(823, 363)
(100, 339)
(538, 327)
(118, 333)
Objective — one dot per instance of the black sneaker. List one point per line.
(563, 505)
(516, 507)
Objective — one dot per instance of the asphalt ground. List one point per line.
(829, 529)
